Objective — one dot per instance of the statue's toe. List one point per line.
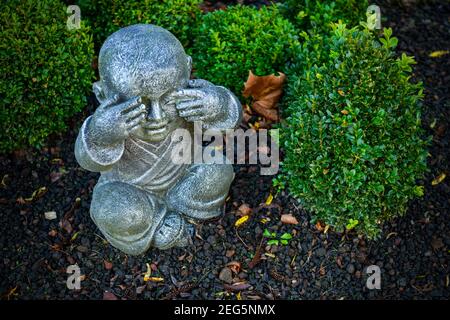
(172, 232)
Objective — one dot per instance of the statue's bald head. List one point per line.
(143, 60)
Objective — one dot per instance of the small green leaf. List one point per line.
(286, 236)
(351, 224)
(267, 234)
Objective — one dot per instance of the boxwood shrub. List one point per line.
(107, 16)
(45, 71)
(318, 14)
(352, 136)
(231, 42)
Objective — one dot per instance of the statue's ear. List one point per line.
(189, 63)
(99, 92)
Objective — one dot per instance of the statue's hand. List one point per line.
(112, 123)
(201, 101)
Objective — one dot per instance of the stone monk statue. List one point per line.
(143, 199)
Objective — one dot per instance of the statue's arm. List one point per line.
(231, 115)
(92, 156)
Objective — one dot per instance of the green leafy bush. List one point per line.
(107, 16)
(318, 14)
(352, 132)
(45, 71)
(230, 43)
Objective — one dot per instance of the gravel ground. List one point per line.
(412, 253)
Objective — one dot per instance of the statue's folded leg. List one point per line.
(132, 219)
(202, 191)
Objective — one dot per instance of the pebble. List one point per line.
(350, 268)
(226, 275)
(321, 252)
(50, 215)
(82, 249)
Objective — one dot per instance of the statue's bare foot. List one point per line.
(173, 231)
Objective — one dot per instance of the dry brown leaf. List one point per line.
(265, 91)
(238, 286)
(320, 226)
(109, 296)
(244, 210)
(235, 266)
(256, 258)
(20, 200)
(108, 265)
(53, 233)
(288, 219)
(229, 253)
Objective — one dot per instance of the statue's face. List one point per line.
(162, 116)
(148, 62)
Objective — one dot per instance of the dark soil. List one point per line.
(412, 252)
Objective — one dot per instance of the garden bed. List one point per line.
(412, 251)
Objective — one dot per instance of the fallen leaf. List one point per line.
(288, 219)
(154, 279)
(66, 225)
(154, 267)
(148, 273)
(344, 112)
(55, 176)
(319, 226)
(53, 233)
(238, 286)
(37, 194)
(109, 296)
(265, 91)
(439, 53)
(108, 265)
(269, 199)
(244, 209)
(341, 93)
(58, 161)
(238, 296)
(339, 262)
(11, 293)
(229, 253)
(4, 180)
(241, 221)
(322, 271)
(390, 235)
(270, 255)
(256, 258)
(20, 200)
(234, 266)
(438, 179)
(75, 235)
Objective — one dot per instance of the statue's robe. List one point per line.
(141, 188)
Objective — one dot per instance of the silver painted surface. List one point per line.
(143, 199)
